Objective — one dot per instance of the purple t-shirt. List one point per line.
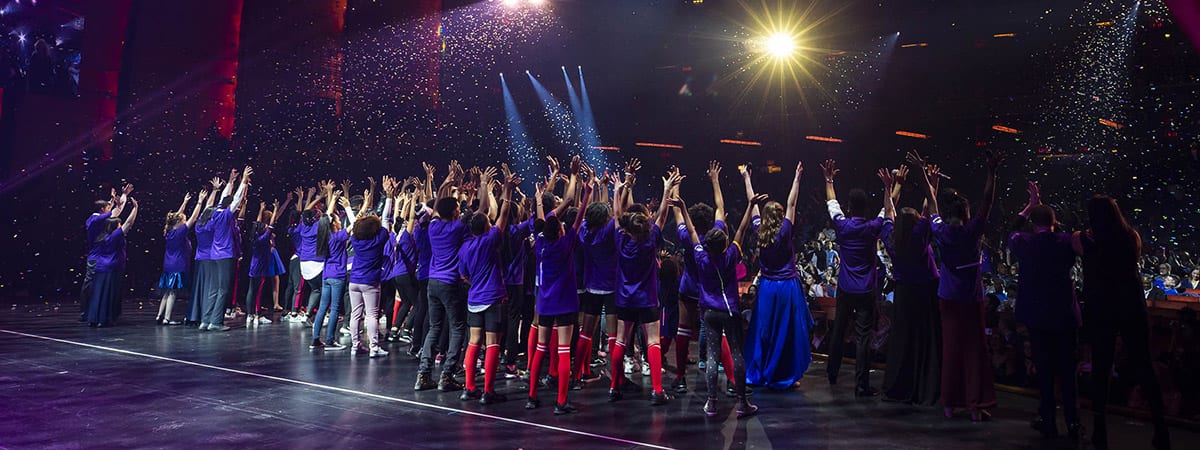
(479, 263)
(638, 269)
(335, 264)
(599, 257)
(368, 258)
(917, 266)
(445, 238)
(94, 226)
(306, 243)
(776, 260)
(516, 255)
(557, 292)
(717, 275)
(110, 253)
(687, 280)
(961, 275)
(424, 251)
(179, 250)
(224, 239)
(401, 255)
(204, 237)
(260, 253)
(856, 237)
(1045, 293)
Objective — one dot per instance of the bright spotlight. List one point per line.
(780, 45)
(537, 2)
(510, 2)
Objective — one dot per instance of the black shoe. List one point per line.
(866, 392)
(615, 395)
(92, 324)
(1075, 430)
(424, 383)
(470, 395)
(746, 409)
(680, 385)
(316, 344)
(449, 384)
(576, 385)
(629, 386)
(393, 336)
(489, 398)
(658, 398)
(1048, 430)
(563, 408)
(548, 382)
(731, 391)
(710, 407)
(83, 317)
(832, 380)
(533, 403)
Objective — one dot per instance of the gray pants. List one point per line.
(364, 296)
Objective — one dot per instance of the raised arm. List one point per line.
(889, 183)
(427, 187)
(262, 206)
(830, 170)
(745, 225)
(901, 174)
(390, 186)
(191, 220)
(669, 183)
(572, 183)
(929, 172)
(120, 206)
(714, 176)
(794, 194)
(275, 210)
(484, 191)
(994, 158)
(125, 227)
(452, 179)
(241, 191)
(510, 182)
(744, 171)
(537, 201)
(330, 197)
(314, 195)
(183, 205)
(585, 198)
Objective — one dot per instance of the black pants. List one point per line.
(447, 310)
(862, 306)
(313, 287)
(520, 316)
(1134, 329)
(85, 291)
(718, 323)
(406, 287)
(418, 321)
(294, 286)
(1054, 355)
(257, 288)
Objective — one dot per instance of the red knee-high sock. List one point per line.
(583, 351)
(564, 371)
(654, 354)
(683, 340)
(727, 360)
(553, 369)
(616, 355)
(535, 365)
(529, 345)
(491, 359)
(469, 365)
(396, 313)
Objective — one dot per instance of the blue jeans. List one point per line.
(331, 301)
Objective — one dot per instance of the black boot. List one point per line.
(470, 395)
(424, 382)
(563, 408)
(680, 385)
(615, 395)
(449, 384)
(489, 398)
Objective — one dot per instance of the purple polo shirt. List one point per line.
(557, 292)
(479, 263)
(306, 244)
(516, 254)
(110, 253)
(917, 266)
(368, 258)
(424, 251)
(638, 270)
(776, 260)
(335, 264)
(401, 255)
(687, 281)
(94, 226)
(1045, 293)
(717, 275)
(260, 253)
(224, 239)
(179, 250)
(856, 238)
(599, 248)
(961, 272)
(445, 238)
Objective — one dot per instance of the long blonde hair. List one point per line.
(173, 219)
(772, 222)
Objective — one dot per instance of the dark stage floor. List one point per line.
(139, 385)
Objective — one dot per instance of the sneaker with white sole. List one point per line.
(377, 352)
(345, 331)
(334, 345)
(249, 322)
(263, 320)
(628, 366)
(355, 349)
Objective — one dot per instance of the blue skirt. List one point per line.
(275, 265)
(105, 303)
(777, 346)
(171, 280)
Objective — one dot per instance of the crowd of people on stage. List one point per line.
(580, 279)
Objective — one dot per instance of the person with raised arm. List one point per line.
(311, 238)
(716, 259)
(402, 259)
(967, 379)
(368, 237)
(858, 279)
(1047, 306)
(597, 238)
(265, 264)
(480, 264)
(447, 294)
(913, 373)
(333, 273)
(203, 266)
(104, 306)
(221, 223)
(777, 345)
(1116, 306)
(176, 256)
(637, 296)
(94, 226)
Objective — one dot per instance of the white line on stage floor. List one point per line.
(342, 390)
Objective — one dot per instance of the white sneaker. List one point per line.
(645, 370)
(377, 352)
(345, 331)
(325, 322)
(334, 345)
(263, 320)
(628, 366)
(249, 322)
(355, 349)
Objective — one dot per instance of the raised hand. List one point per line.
(345, 202)
(829, 168)
(553, 163)
(633, 166)
(888, 180)
(915, 159)
(346, 185)
(744, 170)
(274, 204)
(512, 180)
(759, 199)
(901, 173)
(676, 202)
(504, 171)
(262, 205)
(200, 196)
(799, 168)
(246, 174)
(187, 196)
(714, 171)
(1035, 193)
(133, 202)
(216, 183)
(575, 165)
(429, 170)
(127, 189)
(994, 158)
